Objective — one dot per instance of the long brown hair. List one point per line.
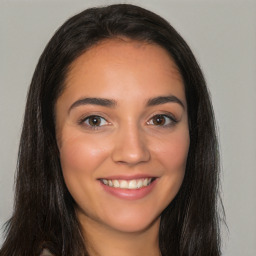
(44, 215)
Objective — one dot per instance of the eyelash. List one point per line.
(172, 121)
(91, 126)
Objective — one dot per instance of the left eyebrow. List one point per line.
(164, 99)
(93, 101)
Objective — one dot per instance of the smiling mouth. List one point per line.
(128, 184)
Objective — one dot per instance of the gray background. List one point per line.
(222, 35)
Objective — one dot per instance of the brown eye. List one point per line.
(159, 120)
(162, 120)
(95, 121)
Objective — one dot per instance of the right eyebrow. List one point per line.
(93, 101)
(164, 99)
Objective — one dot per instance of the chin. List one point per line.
(133, 222)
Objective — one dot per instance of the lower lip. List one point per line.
(130, 194)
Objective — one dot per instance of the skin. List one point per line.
(127, 141)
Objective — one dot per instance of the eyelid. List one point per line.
(82, 121)
(171, 120)
(170, 116)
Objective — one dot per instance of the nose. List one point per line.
(130, 146)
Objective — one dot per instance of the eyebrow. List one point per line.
(112, 103)
(93, 101)
(164, 99)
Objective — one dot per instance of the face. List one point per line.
(122, 132)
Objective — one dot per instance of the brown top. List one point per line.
(45, 252)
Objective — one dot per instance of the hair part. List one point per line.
(44, 208)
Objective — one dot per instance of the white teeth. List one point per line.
(145, 182)
(124, 184)
(139, 184)
(105, 181)
(116, 184)
(132, 184)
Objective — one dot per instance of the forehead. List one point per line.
(115, 51)
(125, 66)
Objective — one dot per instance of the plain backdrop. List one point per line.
(222, 35)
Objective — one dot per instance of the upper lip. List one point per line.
(128, 177)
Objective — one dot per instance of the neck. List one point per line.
(101, 240)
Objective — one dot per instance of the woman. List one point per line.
(118, 154)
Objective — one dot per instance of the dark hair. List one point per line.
(44, 215)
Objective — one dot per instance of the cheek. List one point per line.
(80, 157)
(76, 155)
(173, 152)
(78, 149)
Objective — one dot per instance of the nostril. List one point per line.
(124, 156)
